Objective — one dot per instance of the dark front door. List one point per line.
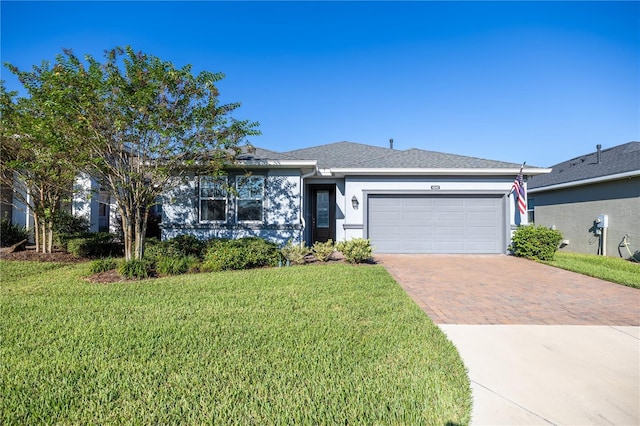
(323, 213)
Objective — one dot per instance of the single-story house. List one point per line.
(593, 199)
(404, 201)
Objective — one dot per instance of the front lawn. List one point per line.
(329, 344)
(607, 268)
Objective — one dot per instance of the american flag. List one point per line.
(521, 196)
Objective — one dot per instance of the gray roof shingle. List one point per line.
(618, 159)
(340, 154)
(356, 155)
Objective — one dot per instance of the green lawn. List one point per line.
(329, 344)
(607, 268)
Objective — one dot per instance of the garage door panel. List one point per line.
(449, 246)
(452, 231)
(482, 247)
(481, 231)
(448, 216)
(391, 231)
(418, 233)
(413, 217)
(436, 224)
(449, 202)
(489, 202)
(481, 216)
(416, 202)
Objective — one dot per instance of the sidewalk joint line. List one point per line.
(513, 402)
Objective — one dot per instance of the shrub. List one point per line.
(67, 226)
(11, 233)
(66, 223)
(323, 251)
(134, 269)
(100, 244)
(102, 265)
(294, 253)
(180, 246)
(244, 253)
(170, 265)
(535, 242)
(154, 249)
(357, 250)
(188, 245)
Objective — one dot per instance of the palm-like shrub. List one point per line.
(295, 254)
(357, 250)
(323, 251)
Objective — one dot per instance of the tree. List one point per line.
(144, 124)
(35, 164)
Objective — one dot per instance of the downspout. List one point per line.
(302, 221)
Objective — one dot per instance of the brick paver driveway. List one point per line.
(499, 289)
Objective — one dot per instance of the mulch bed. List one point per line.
(31, 255)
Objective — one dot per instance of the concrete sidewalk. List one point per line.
(550, 374)
(541, 345)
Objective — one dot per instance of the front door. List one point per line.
(323, 213)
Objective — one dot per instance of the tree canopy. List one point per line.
(137, 124)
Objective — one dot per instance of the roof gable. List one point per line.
(618, 159)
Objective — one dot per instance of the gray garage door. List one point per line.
(436, 224)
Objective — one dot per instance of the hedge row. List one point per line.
(186, 253)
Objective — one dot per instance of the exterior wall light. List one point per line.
(355, 203)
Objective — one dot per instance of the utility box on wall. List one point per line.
(602, 221)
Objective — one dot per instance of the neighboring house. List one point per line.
(88, 201)
(95, 203)
(580, 191)
(404, 201)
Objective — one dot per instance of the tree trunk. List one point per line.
(36, 230)
(140, 230)
(134, 226)
(50, 236)
(128, 238)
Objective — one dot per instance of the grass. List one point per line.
(301, 345)
(607, 268)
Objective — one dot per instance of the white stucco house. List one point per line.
(88, 200)
(404, 201)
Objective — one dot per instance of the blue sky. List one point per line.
(540, 82)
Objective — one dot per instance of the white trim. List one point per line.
(585, 181)
(432, 171)
(274, 164)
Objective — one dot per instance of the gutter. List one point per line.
(275, 164)
(433, 171)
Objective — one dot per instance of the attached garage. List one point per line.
(436, 223)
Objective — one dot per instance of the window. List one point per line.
(250, 198)
(213, 199)
(531, 206)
